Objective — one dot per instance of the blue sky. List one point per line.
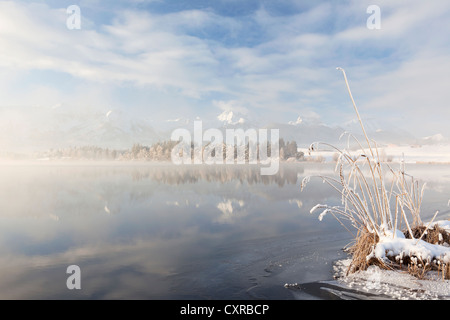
(274, 60)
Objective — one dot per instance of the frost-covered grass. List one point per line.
(378, 201)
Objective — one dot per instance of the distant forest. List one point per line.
(160, 151)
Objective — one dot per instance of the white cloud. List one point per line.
(133, 49)
(231, 105)
(290, 68)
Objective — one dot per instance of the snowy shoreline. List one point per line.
(387, 284)
(378, 283)
(428, 154)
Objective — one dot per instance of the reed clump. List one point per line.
(434, 235)
(364, 244)
(378, 201)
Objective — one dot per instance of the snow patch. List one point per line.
(399, 247)
(296, 122)
(386, 284)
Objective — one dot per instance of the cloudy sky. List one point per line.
(275, 60)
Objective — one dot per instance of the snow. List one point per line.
(296, 122)
(317, 206)
(323, 213)
(444, 224)
(378, 283)
(229, 117)
(226, 116)
(434, 138)
(437, 153)
(398, 246)
(385, 284)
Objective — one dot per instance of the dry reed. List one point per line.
(376, 198)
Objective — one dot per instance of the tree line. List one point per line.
(159, 151)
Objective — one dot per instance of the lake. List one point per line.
(159, 231)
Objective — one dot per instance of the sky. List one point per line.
(271, 60)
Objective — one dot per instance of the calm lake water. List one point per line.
(158, 231)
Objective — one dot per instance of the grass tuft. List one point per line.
(375, 198)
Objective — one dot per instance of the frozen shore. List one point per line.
(395, 153)
(375, 283)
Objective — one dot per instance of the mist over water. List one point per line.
(161, 231)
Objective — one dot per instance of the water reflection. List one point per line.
(250, 174)
(161, 231)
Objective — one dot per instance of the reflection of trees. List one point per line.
(251, 174)
(73, 190)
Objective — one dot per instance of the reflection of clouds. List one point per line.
(81, 253)
(231, 209)
(225, 207)
(53, 217)
(173, 203)
(108, 270)
(298, 202)
(180, 203)
(50, 192)
(437, 187)
(161, 225)
(46, 191)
